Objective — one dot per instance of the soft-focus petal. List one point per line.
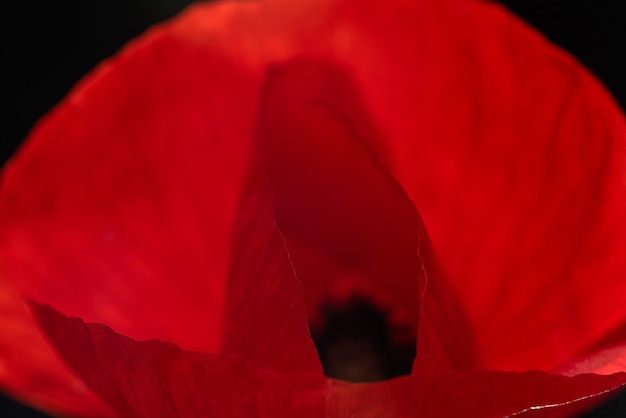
(515, 157)
(139, 202)
(31, 370)
(604, 361)
(118, 207)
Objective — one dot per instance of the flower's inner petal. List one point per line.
(349, 227)
(158, 379)
(265, 306)
(516, 159)
(135, 204)
(347, 223)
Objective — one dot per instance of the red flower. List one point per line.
(181, 188)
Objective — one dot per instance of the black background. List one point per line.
(47, 46)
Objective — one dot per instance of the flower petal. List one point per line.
(349, 226)
(160, 380)
(515, 157)
(603, 361)
(518, 173)
(513, 154)
(341, 213)
(466, 129)
(138, 202)
(475, 394)
(31, 370)
(157, 379)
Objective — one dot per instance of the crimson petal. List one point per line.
(476, 394)
(31, 371)
(157, 379)
(133, 204)
(513, 153)
(607, 360)
(516, 157)
(350, 228)
(160, 380)
(454, 112)
(341, 213)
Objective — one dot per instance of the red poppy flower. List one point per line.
(249, 162)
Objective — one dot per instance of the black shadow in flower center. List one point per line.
(357, 342)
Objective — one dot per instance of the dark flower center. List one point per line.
(357, 342)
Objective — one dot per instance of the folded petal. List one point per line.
(158, 379)
(31, 370)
